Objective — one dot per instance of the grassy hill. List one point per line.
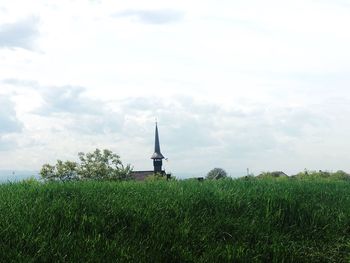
(185, 221)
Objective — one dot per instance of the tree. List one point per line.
(98, 165)
(103, 165)
(216, 173)
(62, 171)
(47, 172)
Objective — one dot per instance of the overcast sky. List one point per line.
(252, 84)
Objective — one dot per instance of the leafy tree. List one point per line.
(216, 173)
(47, 172)
(62, 171)
(98, 165)
(103, 165)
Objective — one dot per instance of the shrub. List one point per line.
(275, 174)
(216, 173)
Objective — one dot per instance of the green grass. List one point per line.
(187, 221)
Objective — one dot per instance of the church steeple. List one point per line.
(157, 155)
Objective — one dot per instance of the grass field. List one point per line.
(180, 221)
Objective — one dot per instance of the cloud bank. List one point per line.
(195, 135)
(20, 34)
(9, 122)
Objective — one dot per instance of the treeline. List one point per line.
(106, 165)
(306, 175)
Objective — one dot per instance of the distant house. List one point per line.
(157, 158)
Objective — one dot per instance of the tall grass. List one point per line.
(186, 221)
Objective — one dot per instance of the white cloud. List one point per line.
(8, 119)
(9, 124)
(157, 17)
(20, 34)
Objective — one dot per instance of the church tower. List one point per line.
(157, 155)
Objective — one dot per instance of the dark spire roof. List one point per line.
(157, 154)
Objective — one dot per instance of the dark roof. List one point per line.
(141, 175)
(157, 154)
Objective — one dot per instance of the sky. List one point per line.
(251, 84)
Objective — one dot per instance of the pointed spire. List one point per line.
(157, 154)
(156, 144)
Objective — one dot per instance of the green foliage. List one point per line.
(103, 165)
(62, 171)
(275, 174)
(216, 173)
(31, 180)
(322, 175)
(306, 175)
(98, 165)
(341, 175)
(182, 221)
(156, 177)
